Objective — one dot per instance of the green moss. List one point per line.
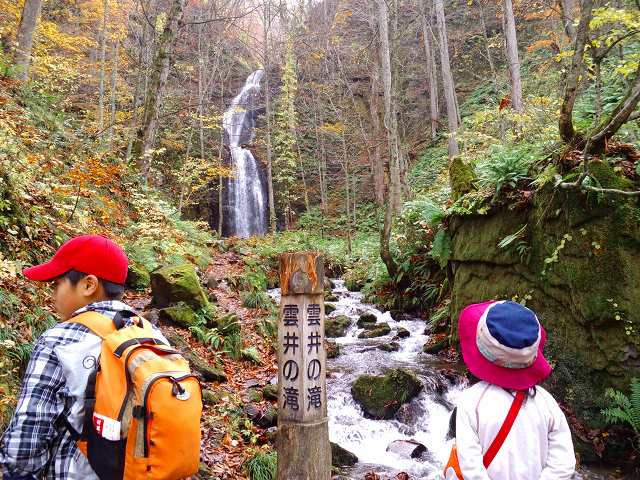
(336, 326)
(180, 314)
(138, 278)
(461, 178)
(178, 283)
(375, 330)
(381, 396)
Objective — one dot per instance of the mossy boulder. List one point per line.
(330, 297)
(329, 308)
(137, 278)
(579, 273)
(436, 345)
(461, 177)
(367, 318)
(381, 396)
(341, 457)
(270, 392)
(375, 330)
(336, 326)
(389, 347)
(180, 314)
(402, 332)
(179, 283)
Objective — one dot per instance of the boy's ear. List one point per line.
(90, 286)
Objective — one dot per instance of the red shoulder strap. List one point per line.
(505, 429)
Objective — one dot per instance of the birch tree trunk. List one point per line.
(24, 38)
(377, 166)
(114, 84)
(567, 7)
(267, 97)
(157, 82)
(432, 77)
(447, 78)
(511, 42)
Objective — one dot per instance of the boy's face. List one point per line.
(69, 297)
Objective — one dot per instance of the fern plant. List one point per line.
(263, 466)
(207, 336)
(625, 409)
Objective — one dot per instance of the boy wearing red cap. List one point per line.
(88, 274)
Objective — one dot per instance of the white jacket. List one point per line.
(538, 447)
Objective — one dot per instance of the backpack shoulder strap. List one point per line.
(99, 324)
(505, 429)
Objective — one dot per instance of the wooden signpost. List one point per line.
(304, 452)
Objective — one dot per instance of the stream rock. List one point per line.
(436, 344)
(389, 347)
(332, 349)
(407, 448)
(329, 308)
(377, 330)
(367, 319)
(402, 332)
(341, 457)
(381, 396)
(336, 326)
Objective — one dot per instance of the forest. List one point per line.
(435, 153)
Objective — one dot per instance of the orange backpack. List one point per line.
(142, 404)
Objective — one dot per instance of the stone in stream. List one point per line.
(336, 326)
(366, 319)
(435, 345)
(407, 448)
(329, 308)
(402, 332)
(389, 347)
(379, 330)
(332, 348)
(381, 396)
(330, 297)
(341, 457)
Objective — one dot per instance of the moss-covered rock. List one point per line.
(402, 332)
(178, 283)
(341, 457)
(579, 274)
(389, 347)
(329, 308)
(270, 392)
(330, 297)
(180, 314)
(381, 396)
(367, 318)
(336, 326)
(375, 330)
(436, 345)
(137, 278)
(210, 397)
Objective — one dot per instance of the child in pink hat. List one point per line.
(507, 426)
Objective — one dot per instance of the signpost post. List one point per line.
(304, 452)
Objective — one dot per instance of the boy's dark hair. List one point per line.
(114, 291)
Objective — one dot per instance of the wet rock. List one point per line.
(270, 392)
(332, 349)
(329, 308)
(180, 283)
(380, 330)
(204, 370)
(137, 278)
(366, 319)
(331, 297)
(264, 419)
(436, 345)
(341, 457)
(381, 396)
(402, 332)
(153, 316)
(336, 326)
(407, 448)
(389, 347)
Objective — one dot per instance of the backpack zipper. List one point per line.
(146, 399)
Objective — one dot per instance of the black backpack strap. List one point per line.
(119, 320)
(89, 403)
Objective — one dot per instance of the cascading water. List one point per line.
(425, 419)
(246, 192)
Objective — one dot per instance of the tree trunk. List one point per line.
(447, 79)
(24, 37)
(114, 85)
(567, 7)
(385, 239)
(377, 166)
(390, 117)
(511, 42)
(157, 82)
(432, 77)
(567, 131)
(485, 34)
(267, 96)
(103, 66)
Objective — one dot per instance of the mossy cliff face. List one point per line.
(577, 265)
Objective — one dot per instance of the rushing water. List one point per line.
(246, 190)
(425, 419)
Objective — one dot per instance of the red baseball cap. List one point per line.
(90, 254)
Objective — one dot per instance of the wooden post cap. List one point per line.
(301, 273)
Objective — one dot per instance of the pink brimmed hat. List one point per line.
(502, 343)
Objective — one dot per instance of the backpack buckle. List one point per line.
(138, 412)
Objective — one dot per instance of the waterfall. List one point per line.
(246, 192)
